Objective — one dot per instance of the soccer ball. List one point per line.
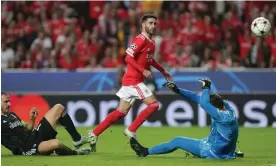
(260, 27)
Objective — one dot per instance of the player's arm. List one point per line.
(160, 68)
(183, 92)
(206, 105)
(132, 51)
(190, 95)
(132, 62)
(157, 66)
(30, 125)
(205, 99)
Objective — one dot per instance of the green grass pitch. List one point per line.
(113, 149)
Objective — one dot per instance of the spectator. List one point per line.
(211, 34)
(207, 60)
(111, 58)
(19, 55)
(189, 34)
(103, 19)
(84, 48)
(255, 57)
(271, 40)
(67, 59)
(189, 56)
(245, 44)
(7, 55)
(92, 63)
(43, 40)
(167, 45)
(27, 63)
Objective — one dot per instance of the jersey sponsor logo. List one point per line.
(15, 124)
(149, 58)
(133, 46)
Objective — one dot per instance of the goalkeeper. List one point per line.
(220, 144)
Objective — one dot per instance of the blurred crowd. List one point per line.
(72, 35)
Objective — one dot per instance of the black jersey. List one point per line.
(14, 136)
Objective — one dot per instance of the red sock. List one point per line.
(108, 121)
(143, 116)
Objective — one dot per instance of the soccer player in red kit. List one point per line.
(139, 59)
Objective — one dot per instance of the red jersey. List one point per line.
(245, 46)
(167, 47)
(272, 45)
(141, 49)
(210, 33)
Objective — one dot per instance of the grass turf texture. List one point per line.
(113, 149)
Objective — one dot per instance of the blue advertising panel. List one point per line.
(104, 81)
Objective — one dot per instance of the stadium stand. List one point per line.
(72, 35)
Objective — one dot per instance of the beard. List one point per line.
(150, 32)
(5, 111)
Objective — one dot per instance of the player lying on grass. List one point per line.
(22, 139)
(220, 144)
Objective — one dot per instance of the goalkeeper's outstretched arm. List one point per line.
(183, 92)
(190, 95)
(206, 105)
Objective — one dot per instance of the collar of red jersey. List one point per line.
(146, 36)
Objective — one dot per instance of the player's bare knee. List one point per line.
(59, 108)
(124, 108)
(56, 144)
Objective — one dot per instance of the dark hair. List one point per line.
(216, 100)
(147, 16)
(3, 93)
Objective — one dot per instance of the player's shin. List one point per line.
(108, 121)
(143, 116)
(113, 117)
(187, 144)
(66, 121)
(64, 150)
(162, 149)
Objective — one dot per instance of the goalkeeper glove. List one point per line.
(172, 86)
(206, 83)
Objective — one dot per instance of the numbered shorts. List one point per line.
(43, 132)
(133, 92)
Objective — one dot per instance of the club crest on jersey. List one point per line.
(133, 46)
